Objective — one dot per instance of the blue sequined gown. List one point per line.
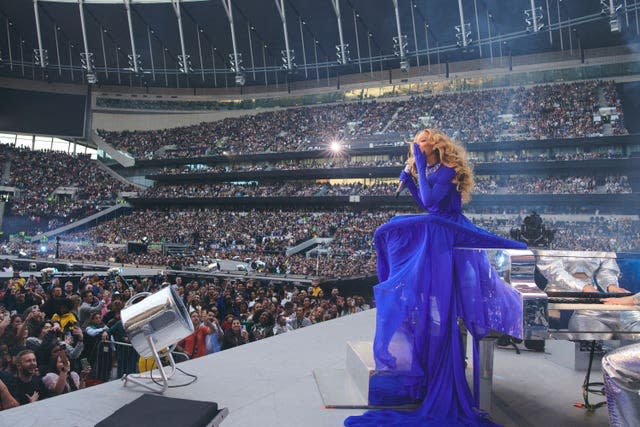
(425, 288)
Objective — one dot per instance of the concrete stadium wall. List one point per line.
(130, 120)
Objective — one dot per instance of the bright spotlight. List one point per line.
(335, 147)
(43, 249)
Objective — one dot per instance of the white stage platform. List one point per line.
(271, 383)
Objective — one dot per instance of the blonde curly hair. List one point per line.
(450, 154)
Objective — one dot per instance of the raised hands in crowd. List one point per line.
(57, 357)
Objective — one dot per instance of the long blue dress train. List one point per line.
(425, 288)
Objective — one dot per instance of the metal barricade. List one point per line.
(111, 360)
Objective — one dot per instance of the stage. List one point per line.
(271, 383)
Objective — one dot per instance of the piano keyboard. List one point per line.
(587, 295)
(586, 301)
(591, 306)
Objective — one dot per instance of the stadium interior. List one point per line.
(246, 153)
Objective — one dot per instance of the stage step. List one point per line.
(352, 386)
(360, 365)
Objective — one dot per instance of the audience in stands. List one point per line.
(565, 184)
(503, 184)
(265, 236)
(567, 110)
(328, 163)
(49, 331)
(57, 186)
(226, 312)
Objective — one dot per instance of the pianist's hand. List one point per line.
(615, 289)
(589, 288)
(619, 301)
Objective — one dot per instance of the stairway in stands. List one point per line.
(392, 119)
(6, 174)
(607, 129)
(117, 176)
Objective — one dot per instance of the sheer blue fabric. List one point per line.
(425, 288)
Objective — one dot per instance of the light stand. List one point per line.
(146, 376)
(160, 320)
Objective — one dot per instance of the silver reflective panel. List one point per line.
(577, 281)
(562, 292)
(621, 372)
(162, 316)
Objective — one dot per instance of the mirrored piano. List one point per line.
(562, 296)
(562, 292)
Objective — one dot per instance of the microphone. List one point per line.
(407, 169)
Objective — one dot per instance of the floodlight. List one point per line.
(154, 326)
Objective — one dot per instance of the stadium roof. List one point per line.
(368, 29)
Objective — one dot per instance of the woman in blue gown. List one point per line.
(426, 287)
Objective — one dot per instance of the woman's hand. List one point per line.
(6, 319)
(64, 358)
(404, 176)
(420, 158)
(78, 333)
(66, 368)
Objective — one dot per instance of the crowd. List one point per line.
(502, 157)
(557, 111)
(251, 230)
(57, 186)
(538, 112)
(145, 104)
(338, 162)
(619, 235)
(324, 163)
(57, 337)
(297, 128)
(265, 235)
(505, 184)
(599, 233)
(289, 189)
(485, 184)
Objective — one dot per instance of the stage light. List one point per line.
(43, 249)
(335, 147)
(46, 274)
(154, 326)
